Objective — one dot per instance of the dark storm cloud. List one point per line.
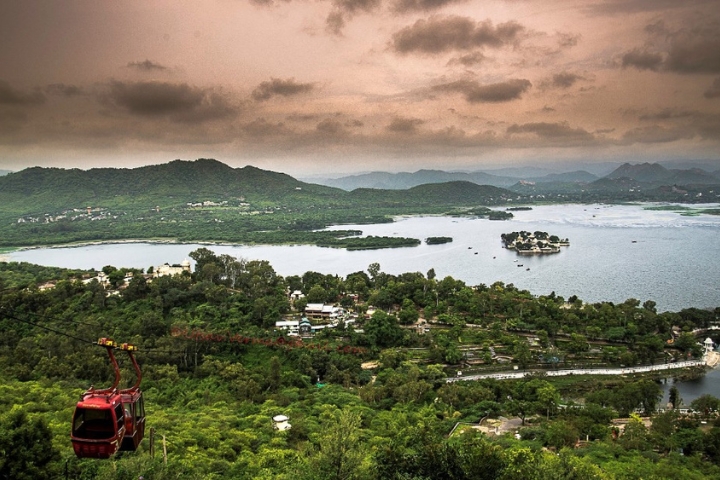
(623, 7)
(565, 79)
(492, 93)
(655, 134)
(179, 100)
(335, 22)
(405, 6)
(268, 3)
(567, 40)
(714, 90)
(355, 6)
(404, 125)
(676, 124)
(642, 60)
(146, 66)
(695, 55)
(689, 50)
(667, 114)
(12, 96)
(277, 86)
(260, 128)
(443, 34)
(469, 60)
(302, 117)
(556, 131)
(63, 90)
(344, 10)
(330, 127)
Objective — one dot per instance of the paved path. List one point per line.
(580, 371)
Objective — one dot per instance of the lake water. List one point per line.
(691, 389)
(617, 252)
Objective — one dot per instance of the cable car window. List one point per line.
(93, 423)
(140, 408)
(119, 415)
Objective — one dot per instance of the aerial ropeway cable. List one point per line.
(105, 420)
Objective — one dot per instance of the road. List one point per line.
(580, 371)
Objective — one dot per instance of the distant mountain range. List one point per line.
(179, 182)
(176, 183)
(647, 175)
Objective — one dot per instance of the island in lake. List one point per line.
(537, 243)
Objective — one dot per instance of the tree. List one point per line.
(674, 397)
(408, 314)
(382, 330)
(374, 270)
(578, 343)
(522, 353)
(662, 430)
(560, 433)
(340, 453)
(26, 447)
(202, 257)
(635, 435)
(316, 294)
(705, 404)
(548, 397)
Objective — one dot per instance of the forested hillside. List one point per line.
(207, 201)
(367, 395)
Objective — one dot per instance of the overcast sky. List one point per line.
(334, 86)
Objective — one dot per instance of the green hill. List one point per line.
(38, 190)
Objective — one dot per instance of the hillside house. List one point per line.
(321, 311)
(168, 270)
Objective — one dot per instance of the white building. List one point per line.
(167, 269)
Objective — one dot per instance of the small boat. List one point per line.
(527, 268)
(520, 265)
(634, 241)
(514, 260)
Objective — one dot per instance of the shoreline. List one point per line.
(118, 242)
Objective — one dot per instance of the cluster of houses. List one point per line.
(323, 316)
(160, 271)
(207, 203)
(316, 317)
(89, 213)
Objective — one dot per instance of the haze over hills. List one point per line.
(178, 182)
(647, 174)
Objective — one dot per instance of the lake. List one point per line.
(616, 252)
(691, 389)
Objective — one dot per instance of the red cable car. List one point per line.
(98, 425)
(134, 407)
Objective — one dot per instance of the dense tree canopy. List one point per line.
(366, 399)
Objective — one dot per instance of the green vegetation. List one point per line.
(484, 212)
(208, 201)
(438, 240)
(371, 243)
(216, 371)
